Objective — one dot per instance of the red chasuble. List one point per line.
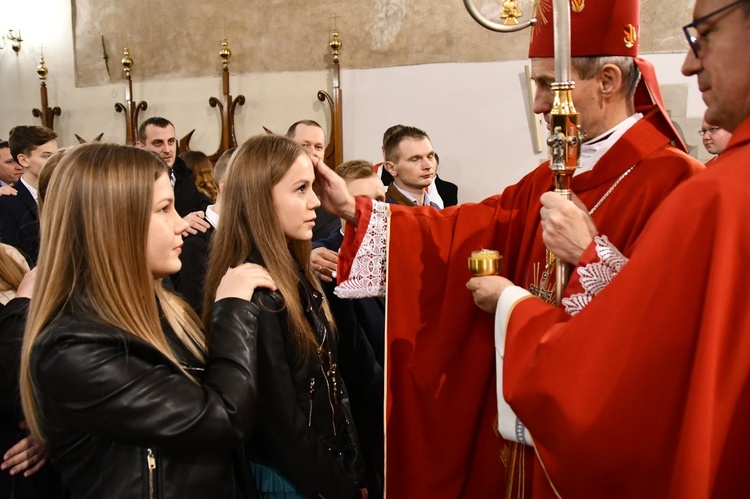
(441, 401)
(646, 392)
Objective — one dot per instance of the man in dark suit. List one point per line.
(310, 135)
(441, 192)
(194, 256)
(158, 135)
(30, 147)
(10, 171)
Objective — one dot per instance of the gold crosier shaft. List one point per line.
(565, 135)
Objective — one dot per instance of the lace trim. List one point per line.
(595, 276)
(367, 276)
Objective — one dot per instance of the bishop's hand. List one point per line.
(567, 228)
(486, 291)
(334, 196)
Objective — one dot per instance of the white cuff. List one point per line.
(510, 427)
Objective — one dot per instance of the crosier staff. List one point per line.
(565, 134)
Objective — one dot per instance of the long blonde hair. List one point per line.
(250, 224)
(92, 257)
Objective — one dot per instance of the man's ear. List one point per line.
(610, 80)
(139, 144)
(391, 168)
(221, 186)
(23, 161)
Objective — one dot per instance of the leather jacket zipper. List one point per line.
(151, 462)
(312, 394)
(330, 402)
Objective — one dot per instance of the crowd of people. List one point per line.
(147, 350)
(139, 343)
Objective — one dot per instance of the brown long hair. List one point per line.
(203, 172)
(250, 224)
(11, 271)
(92, 256)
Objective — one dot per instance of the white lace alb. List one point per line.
(368, 274)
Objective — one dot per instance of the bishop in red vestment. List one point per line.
(441, 396)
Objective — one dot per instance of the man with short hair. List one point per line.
(10, 171)
(440, 345)
(380, 167)
(311, 136)
(645, 392)
(715, 139)
(158, 135)
(410, 159)
(30, 147)
(194, 256)
(441, 192)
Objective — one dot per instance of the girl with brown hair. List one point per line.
(13, 267)
(305, 444)
(117, 375)
(203, 173)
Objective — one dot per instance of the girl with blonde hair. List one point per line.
(305, 444)
(117, 375)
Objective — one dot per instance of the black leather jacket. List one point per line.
(123, 421)
(303, 431)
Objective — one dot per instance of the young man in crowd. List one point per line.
(30, 147)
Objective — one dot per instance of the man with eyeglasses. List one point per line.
(715, 140)
(645, 392)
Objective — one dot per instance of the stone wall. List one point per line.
(169, 39)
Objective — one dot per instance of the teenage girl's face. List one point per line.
(164, 243)
(294, 200)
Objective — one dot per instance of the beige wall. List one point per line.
(476, 113)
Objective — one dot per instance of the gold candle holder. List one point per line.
(485, 262)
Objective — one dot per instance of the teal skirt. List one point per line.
(271, 484)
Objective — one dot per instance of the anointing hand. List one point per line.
(334, 196)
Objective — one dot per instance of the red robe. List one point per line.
(646, 392)
(441, 402)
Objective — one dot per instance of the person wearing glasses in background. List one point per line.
(646, 391)
(715, 140)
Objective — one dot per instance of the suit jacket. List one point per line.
(187, 198)
(394, 196)
(325, 223)
(447, 190)
(192, 274)
(19, 222)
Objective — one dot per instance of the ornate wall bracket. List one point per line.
(131, 109)
(227, 108)
(46, 113)
(334, 154)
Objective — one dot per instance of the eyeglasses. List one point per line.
(691, 33)
(711, 130)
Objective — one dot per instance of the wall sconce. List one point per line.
(14, 37)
